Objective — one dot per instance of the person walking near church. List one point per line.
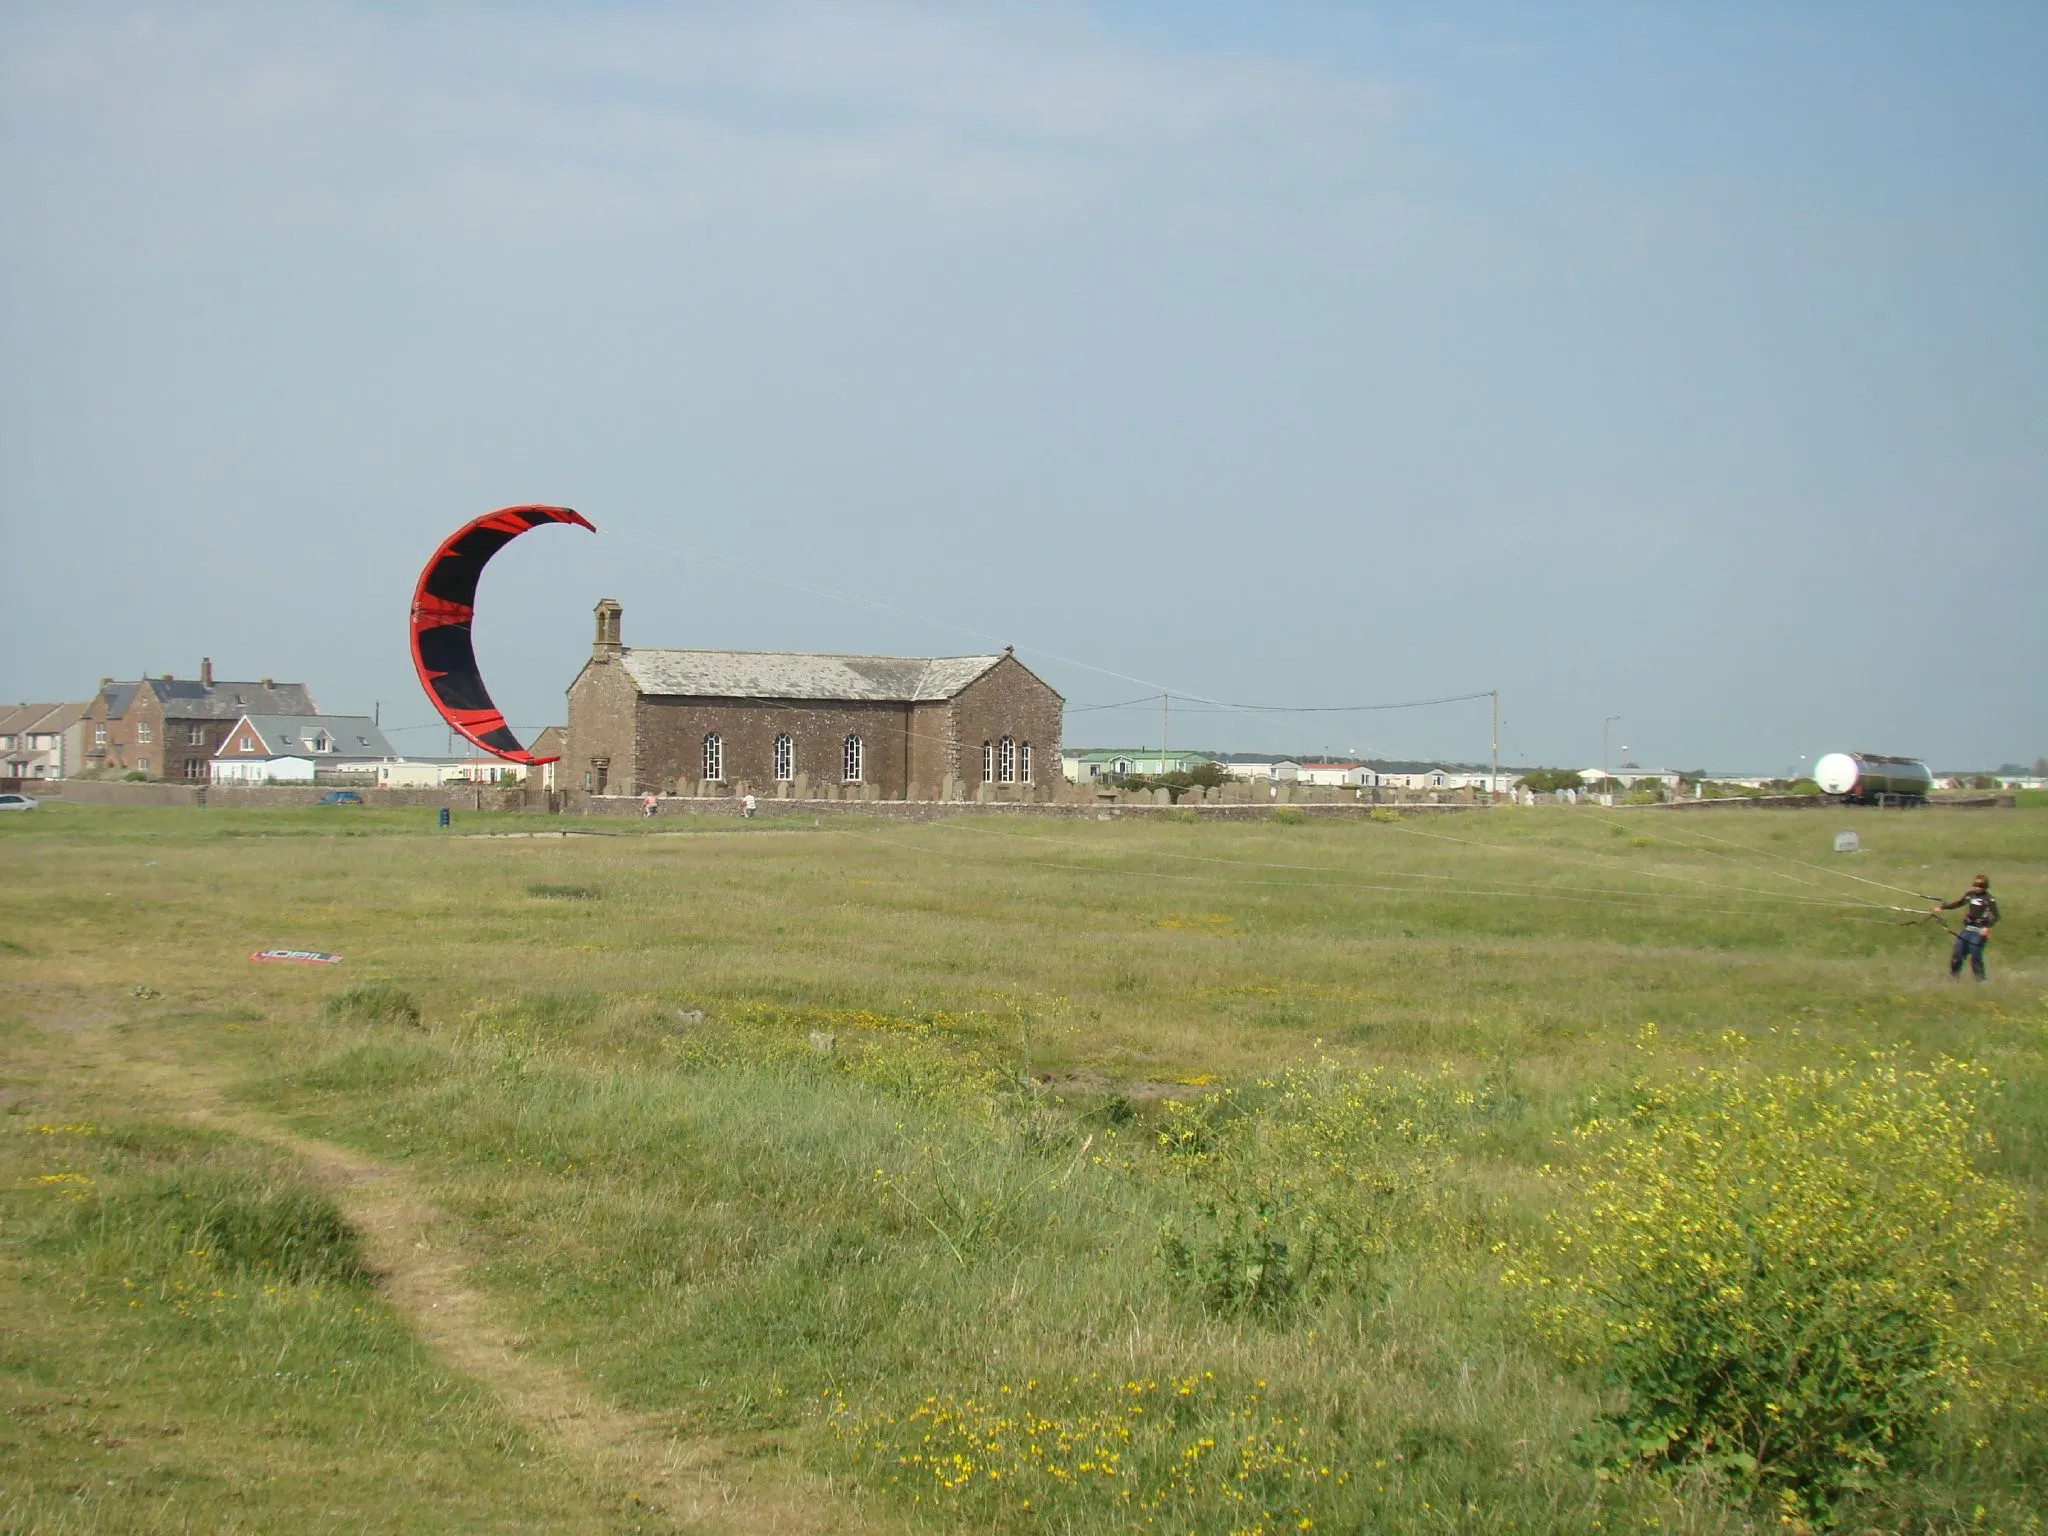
(1980, 916)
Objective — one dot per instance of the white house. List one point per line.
(412, 774)
(1629, 778)
(263, 770)
(434, 772)
(272, 747)
(1259, 769)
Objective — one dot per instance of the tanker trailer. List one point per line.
(1867, 778)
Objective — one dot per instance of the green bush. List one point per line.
(374, 1002)
(1248, 1251)
(1287, 816)
(1302, 1186)
(1791, 1280)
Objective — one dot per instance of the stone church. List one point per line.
(796, 723)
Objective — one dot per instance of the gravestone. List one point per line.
(1847, 842)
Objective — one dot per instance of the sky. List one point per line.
(1682, 364)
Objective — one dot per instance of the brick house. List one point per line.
(896, 727)
(171, 727)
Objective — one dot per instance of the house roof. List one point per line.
(37, 719)
(553, 741)
(186, 699)
(801, 675)
(353, 735)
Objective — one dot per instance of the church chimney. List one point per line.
(206, 671)
(606, 646)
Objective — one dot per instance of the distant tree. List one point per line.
(2041, 767)
(1544, 780)
(1983, 781)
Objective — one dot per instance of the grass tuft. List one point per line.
(374, 1002)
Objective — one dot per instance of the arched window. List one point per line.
(988, 762)
(714, 757)
(853, 763)
(785, 759)
(1024, 762)
(1006, 761)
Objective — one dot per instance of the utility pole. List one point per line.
(1493, 783)
(1605, 727)
(1165, 723)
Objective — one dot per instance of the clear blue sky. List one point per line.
(1687, 363)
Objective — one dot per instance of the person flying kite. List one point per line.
(1980, 916)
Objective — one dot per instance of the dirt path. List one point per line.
(705, 1485)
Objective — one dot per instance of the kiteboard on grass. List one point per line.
(298, 956)
(443, 606)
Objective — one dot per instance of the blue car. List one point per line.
(341, 797)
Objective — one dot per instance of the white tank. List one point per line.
(1868, 776)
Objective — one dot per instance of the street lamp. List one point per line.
(1606, 727)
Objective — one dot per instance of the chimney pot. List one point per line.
(169, 678)
(206, 671)
(268, 683)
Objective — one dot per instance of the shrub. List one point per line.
(1303, 1187)
(1287, 816)
(1791, 1279)
(375, 1002)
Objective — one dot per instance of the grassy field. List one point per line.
(984, 1175)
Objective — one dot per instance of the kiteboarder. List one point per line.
(1980, 915)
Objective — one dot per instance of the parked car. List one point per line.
(17, 803)
(341, 797)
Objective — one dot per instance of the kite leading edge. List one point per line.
(443, 606)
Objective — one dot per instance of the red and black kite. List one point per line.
(444, 603)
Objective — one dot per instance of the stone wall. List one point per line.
(118, 792)
(671, 732)
(1008, 700)
(461, 797)
(601, 729)
(1069, 809)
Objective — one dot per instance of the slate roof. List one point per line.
(186, 699)
(286, 735)
(801, 675)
